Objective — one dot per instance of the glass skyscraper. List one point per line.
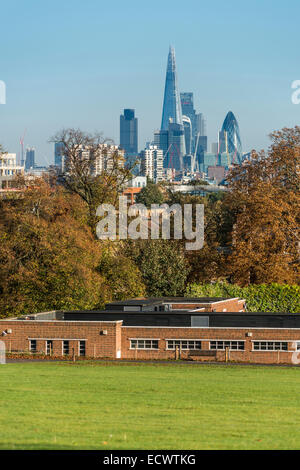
(171, 122)
(129, 132)
(30, 159)
(172, 105)
(230, 140)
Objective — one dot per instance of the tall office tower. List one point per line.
(214, 147)
(187, 125)
(30, 158)
(187, 106)
(129, 132)
(152, 163)
(172, 115)
(59, 155)
(161, 140)
(200, 125)
(230, 141)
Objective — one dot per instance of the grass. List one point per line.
(98, 406)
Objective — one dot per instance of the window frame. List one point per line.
(30, 345)
(144, 340)
(79, 347)
(231, 342)
(180, 341)
(267, 347)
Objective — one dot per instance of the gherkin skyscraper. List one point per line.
(172, 105)
(230, 140)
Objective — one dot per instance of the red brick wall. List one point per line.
(232, 305)
(206, 334)
(97, 345)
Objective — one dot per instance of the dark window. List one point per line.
(32, 345)
(66, 348)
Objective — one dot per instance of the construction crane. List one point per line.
(195, 154)
(22, 147)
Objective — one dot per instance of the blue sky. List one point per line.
(79, 63)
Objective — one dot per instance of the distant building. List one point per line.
(129, 132)
(30, 158)
(214, 147)
(187, 106)
(9, 170)
(152, 163)
(216, 173)
(230, 140)
(106, 158)
(171, 122)
(188, 134)
(59, 155)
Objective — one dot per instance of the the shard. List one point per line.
(171, 133)
(172, 105)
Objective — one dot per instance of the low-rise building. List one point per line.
(203, 329)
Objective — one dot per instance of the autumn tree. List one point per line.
(264, 200)
(48, 255)
(81, 152)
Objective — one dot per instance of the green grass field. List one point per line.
(98, 406)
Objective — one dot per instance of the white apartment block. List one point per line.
(9, 169)
(106, 158)
(152, 163)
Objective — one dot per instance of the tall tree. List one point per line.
(80, 152)
(264, 198)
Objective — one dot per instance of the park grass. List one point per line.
(146, 406)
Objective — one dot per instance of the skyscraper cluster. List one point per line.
(180, 146)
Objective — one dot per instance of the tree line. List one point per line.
(50, 257)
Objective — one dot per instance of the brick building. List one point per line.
(203, 329)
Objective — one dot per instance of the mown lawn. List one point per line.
(98, 406)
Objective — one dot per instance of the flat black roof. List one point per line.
(177, 312)
(155, 300)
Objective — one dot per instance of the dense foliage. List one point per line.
(259, 298)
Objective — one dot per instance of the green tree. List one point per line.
(123, 278)
(150, 194)
(162, 265)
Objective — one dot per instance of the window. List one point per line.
(132, 308)
(32, 345)
(81, 348)
(49, 347)
(184, 344)
(144, 344)
(232, 345)
(202, 322)
(270, 346)
(66, 348)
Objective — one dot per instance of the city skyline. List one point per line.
(87, 81)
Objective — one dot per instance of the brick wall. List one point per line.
(116, 343)
(207, 334)
(97, 344)
(231, 305)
